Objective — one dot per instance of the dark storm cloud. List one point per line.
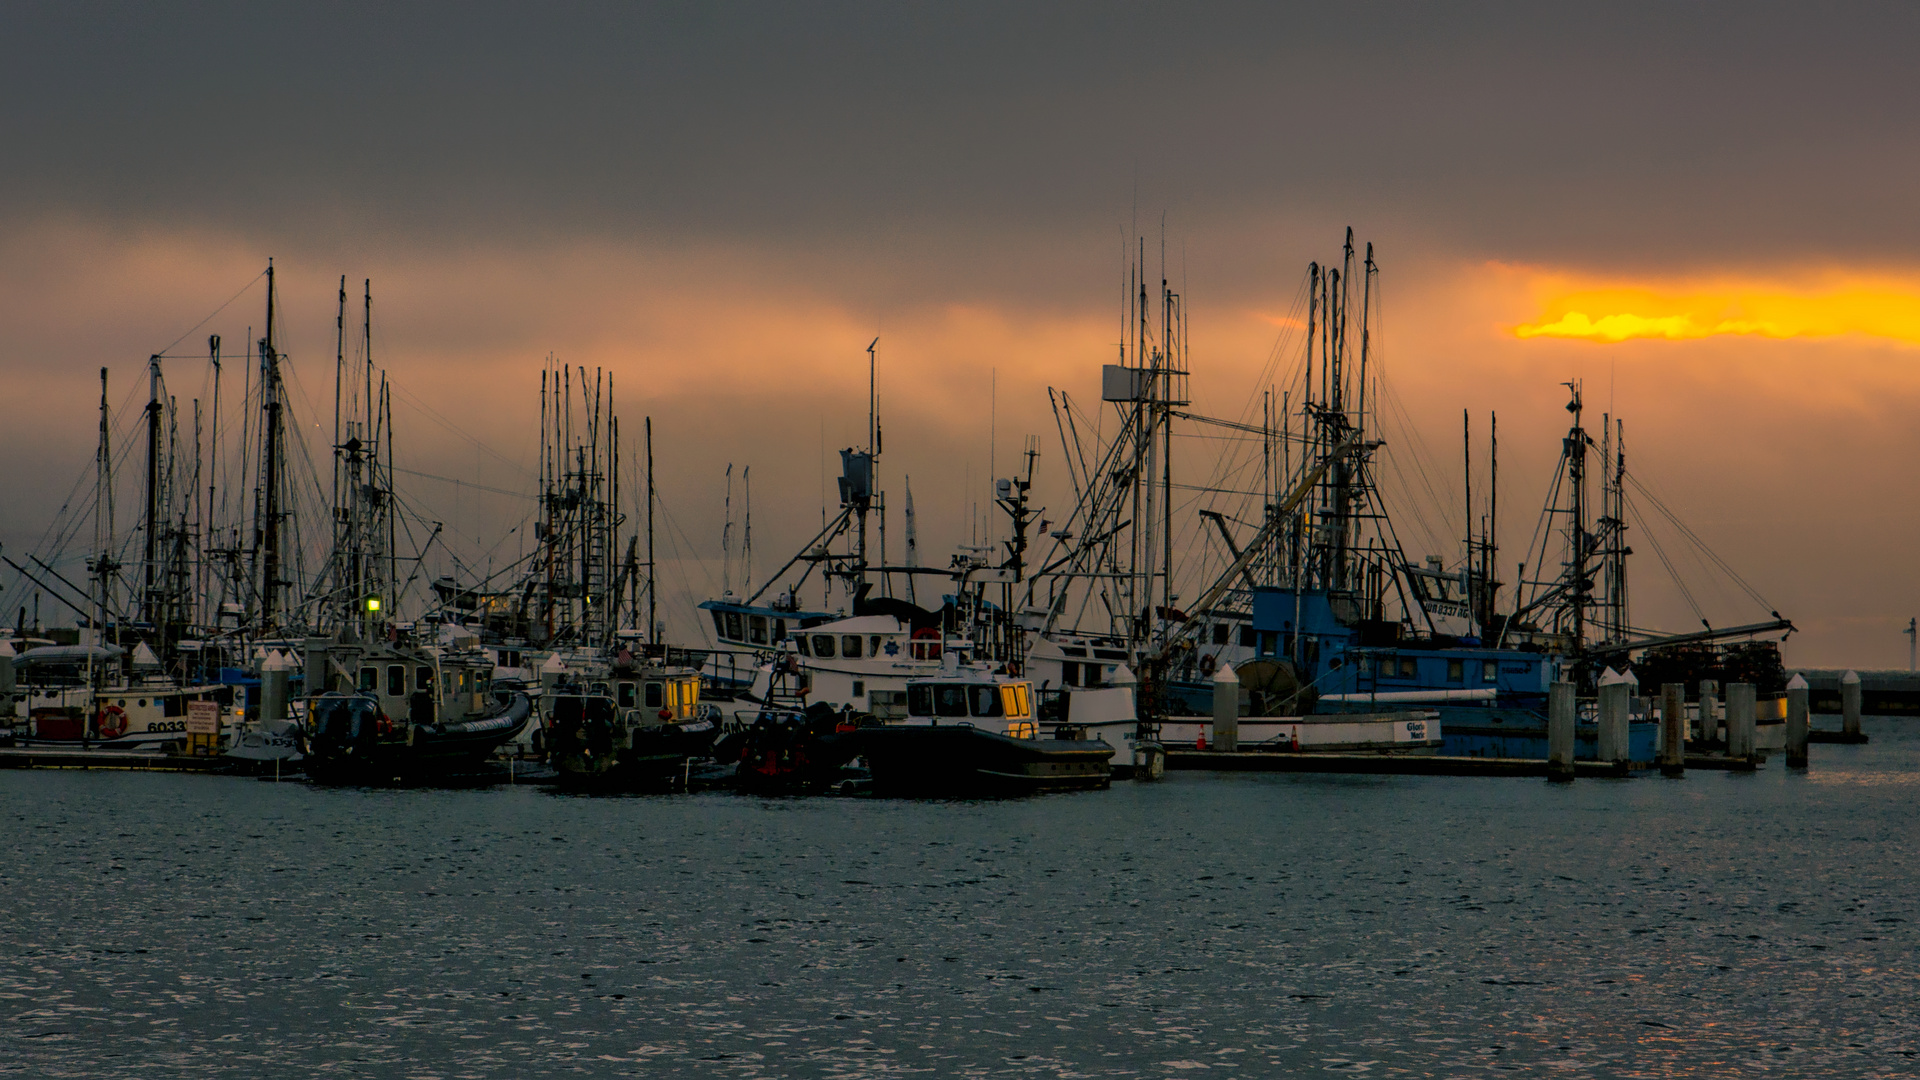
(1705, 132)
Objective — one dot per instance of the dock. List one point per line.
(28, 757)
(1376, 764)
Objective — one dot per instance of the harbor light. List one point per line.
(373, 603)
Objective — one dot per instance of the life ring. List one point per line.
(384, 725)
(1206, 664)
(111, 723)
(666, 714)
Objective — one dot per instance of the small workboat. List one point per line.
(971, 734)
(639, 728)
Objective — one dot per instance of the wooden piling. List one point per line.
(1616, 697)
(1560, 715)
(1226, 709)
(1708, 723)
(1673, 729)
(6, 681)
(1797, 723)
(1740, 721)
(1850, 703)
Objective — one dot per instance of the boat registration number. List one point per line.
(167, 725)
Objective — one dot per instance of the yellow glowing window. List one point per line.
(1013, 699)
(1022, 730)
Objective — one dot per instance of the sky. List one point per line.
(1701, 212)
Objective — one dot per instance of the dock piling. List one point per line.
(1560, 714)
(1849, 700)
(1616, 699)
(1709, 721)
(1740, 720)
(6, 682)
(1797, 723)
(1673, 729)
(1226, 709)
(275, 674)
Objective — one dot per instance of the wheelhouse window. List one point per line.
(779, 629)
(986, 701)
(625, 697)
(1409, 668)
(1456, 671)
(757, 629)
(733, 626)
(950, 700)
(1489, 670)
(919, 700)
(656, 695)
(1221, 633)
(1069, 673)
(800, 644)
(850, 646)
(719, 623)
(423, 678)
(1247, 636)
(396, 680)
(823, 646)
(1014, 700)
(873, 645)
(369, 680)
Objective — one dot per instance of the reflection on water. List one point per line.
(1252, 925)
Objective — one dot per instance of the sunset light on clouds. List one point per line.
(1839, 306)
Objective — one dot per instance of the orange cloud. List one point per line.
(1837, 305)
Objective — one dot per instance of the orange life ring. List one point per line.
(384, 725)
(111, 723)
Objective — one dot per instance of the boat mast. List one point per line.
(1577, 541)
(652, 572)
(268, 525)
(150, 561)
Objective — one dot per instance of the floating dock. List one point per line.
(34, 757)
(1378, 764)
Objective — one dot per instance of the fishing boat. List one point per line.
(974, 735)
(393, 713)
(640, 727)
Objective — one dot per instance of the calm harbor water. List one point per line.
(159, 925)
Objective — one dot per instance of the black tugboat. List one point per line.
(974, 735)
(408, 716)
(636, 730)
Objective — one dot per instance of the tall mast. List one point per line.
(269, 524)
(103, 565)
(1577, 527)
(150, 563)
(652, 571)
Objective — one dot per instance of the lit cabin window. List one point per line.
(757, 629)
(654, 695)
(800, 643)
(1409, 668)
(823, 646)
(369, 680)
(1013, 698)
(850, 646)
(1489, 670)
(396, 680)
(625, 697)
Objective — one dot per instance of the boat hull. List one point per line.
(424, 754)
(958, 760)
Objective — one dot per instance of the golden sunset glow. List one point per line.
(1681, 311)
